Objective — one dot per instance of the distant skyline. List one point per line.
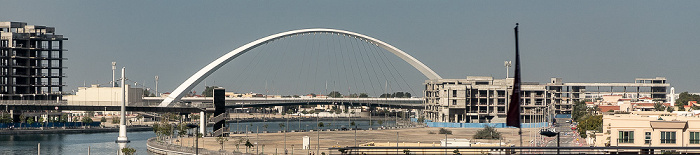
(579, 41)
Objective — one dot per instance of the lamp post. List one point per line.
(552, 134)
(507, 64)
(114, 67)
(196, 137)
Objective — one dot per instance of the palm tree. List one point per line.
(282, 127)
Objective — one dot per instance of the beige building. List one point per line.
(646, 128)
(105, 96)
(480, 99)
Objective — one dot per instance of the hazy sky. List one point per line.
(580, 41)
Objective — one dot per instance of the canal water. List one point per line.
(103, 143)
(71, 144)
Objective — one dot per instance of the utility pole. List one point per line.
(114, 67)
(157, 94)
(507, 64)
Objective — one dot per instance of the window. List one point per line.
(454, 102)
(454, 93)
(668, 137)
(626, 137)
(647, 137)
(694, 137)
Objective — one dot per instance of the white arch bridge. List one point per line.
(200, 75)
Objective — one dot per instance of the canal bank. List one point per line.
(71, 130)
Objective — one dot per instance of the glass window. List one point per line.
(647, 137)
(694, 137)
(668, 137)
(626, 137)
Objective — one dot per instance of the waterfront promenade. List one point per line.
(271, 143)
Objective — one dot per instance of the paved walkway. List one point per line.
(271, 143)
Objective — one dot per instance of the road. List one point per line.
(568, 136)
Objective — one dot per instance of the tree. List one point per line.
(181, 130)
(5, 118)
(64, 118)
(398, 95)
(590, 123)
(386, 95)
(86, 120)
(320, 124)
(684, 97)
(659, 107)
(354, 95)
(380, 122)
(265, 127)
(363, 95)
(445, 131)
(282, 127)
(487, 132)
(335, 94)
(128, 151)
(140, 117)
(669, 109)
(352, 123)
(581, 110)
(209, 91)
(103, 119)
(221, 141)
(421, 119)
(238, 143)
(116, 120)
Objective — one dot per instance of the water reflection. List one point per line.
(99, 143)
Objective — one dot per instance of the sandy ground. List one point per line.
(271, 143)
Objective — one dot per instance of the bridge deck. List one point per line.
(102, 108)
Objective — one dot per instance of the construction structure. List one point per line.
(31, 62)
(483, 99)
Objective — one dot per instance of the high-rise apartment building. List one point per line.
(31, 62)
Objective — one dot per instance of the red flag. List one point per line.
(513, 117)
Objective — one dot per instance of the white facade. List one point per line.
(105, 96)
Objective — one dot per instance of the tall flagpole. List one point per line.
(513, 118)
(517, 80)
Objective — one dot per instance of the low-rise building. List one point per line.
(95, 95)
(649, 128)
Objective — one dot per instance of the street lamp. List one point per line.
(196, 137)
(551, 134)
(507, 64)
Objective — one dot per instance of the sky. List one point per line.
(579, 41)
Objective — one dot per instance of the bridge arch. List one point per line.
(195, 79)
